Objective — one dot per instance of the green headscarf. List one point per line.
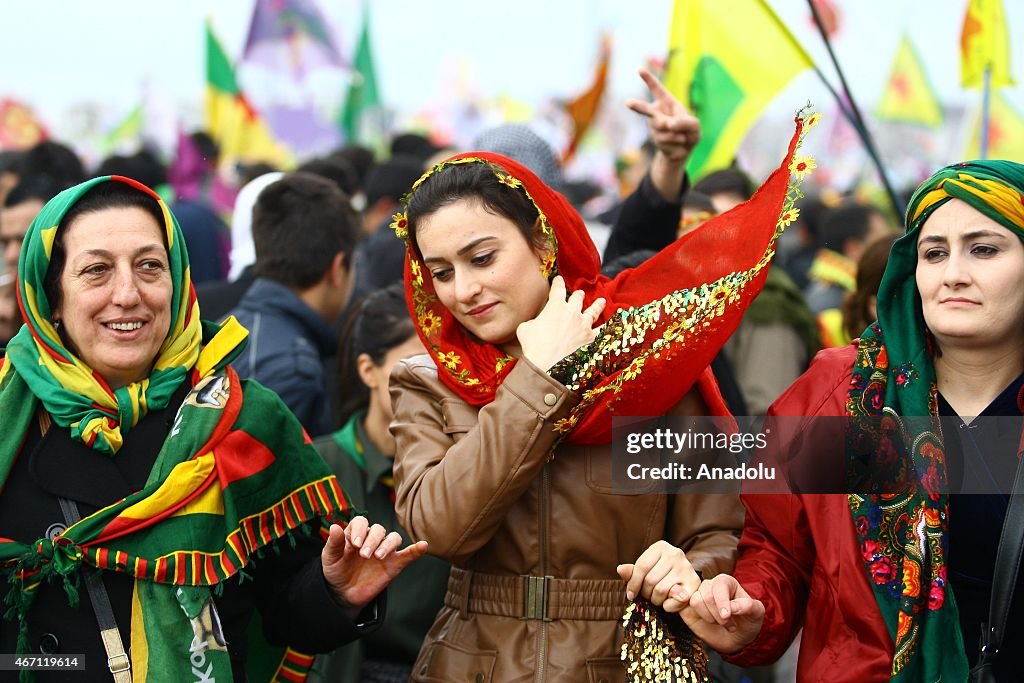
(236, 473)
(904, 537)
(73, 395)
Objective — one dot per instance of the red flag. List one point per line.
(831, 17)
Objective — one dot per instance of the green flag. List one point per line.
(362, 93)
(129, 129)
(728, 59)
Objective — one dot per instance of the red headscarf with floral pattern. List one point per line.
(664, 320)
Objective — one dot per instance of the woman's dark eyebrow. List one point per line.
(469, 247)
(975, 234)
(967, 236)
(103, 253)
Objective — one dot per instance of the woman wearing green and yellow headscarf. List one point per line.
(895, 586)
(130, 446)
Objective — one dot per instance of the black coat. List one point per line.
(289, 589)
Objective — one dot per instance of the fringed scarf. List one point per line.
(235, 473)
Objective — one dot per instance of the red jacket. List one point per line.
(800, 556)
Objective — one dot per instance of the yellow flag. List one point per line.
(985, 44)
(727, 61)
(1005, 132)
(237, 128)
(909, 96)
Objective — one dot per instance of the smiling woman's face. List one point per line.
(969, 274)
(483, 270)
(115, 303)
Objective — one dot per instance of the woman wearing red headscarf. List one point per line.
(503, 432)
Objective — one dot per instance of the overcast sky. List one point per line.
(57, 54)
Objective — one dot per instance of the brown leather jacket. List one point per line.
(483, 487)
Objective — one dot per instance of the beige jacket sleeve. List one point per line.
(707, 527)
(458, 469)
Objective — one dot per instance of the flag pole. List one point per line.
(847, 114)
(854, 116)
(986, 102)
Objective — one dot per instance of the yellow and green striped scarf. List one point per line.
(73, 395)
(236, 473)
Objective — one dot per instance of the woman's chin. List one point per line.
(970, 338)
(486, 334)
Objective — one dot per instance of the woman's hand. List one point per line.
(560, 328)
(361, 560)
(721, 613)
(660, 569)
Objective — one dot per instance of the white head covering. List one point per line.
(243, 251)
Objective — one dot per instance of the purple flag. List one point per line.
(305, 133)
(293, 33)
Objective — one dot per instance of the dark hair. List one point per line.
(812, 213)
(39, 187)
(870, 268)
(726, 180)
(846, 222)
(414, 145)
(11, 161)
(206, 146)
(376, 324)
(250, 172)
(109, 195)
(55, 160)
(143, 166)
(299, 224)
(336, 169)
(392, 179)
(630, 260)
(579, 192)
(473, 181)
(698, 201)
(361, 160)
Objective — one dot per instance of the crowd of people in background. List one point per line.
(307, 261)
(816, 270)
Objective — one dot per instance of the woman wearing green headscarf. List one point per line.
(895, 585)
(136, 468)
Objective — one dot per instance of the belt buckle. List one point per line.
(535, 597)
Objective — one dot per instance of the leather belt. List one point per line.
(542, 598)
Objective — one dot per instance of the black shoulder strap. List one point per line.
(117, 660)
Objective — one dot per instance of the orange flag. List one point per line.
(985, 44)
(584, 108)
